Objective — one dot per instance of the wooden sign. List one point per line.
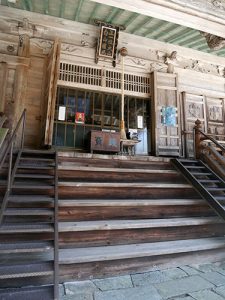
(107, 42)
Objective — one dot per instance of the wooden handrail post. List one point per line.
(197, 138)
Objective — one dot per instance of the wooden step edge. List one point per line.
(115, 170)
(25, 274)
(124, 185)
(131, 202)
(25, 247)
(28, 228)
(136, 224)
(34, 176)
(32, 292)
(29, 212)
(35, 187)
(93, 254)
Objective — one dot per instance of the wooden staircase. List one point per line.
(27, 259)
(115, 216)
(119, 216)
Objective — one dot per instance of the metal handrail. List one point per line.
(9, 150)
(56, 233)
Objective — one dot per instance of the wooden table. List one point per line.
(128, 146)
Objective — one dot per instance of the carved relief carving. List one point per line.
(70, 48)
(215, 113)
(194, 111)
(160, 67)
(138, 61)
(44, 45)
(218, 4)
(214, 42)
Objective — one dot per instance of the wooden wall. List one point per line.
(22, 71)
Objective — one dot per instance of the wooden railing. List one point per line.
(9, 153)
(210, 150)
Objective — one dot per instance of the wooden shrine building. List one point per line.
(142, 81)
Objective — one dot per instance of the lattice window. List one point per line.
(106, 78)
(135, 83)
(80, 74)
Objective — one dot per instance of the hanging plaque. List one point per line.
(107, 42)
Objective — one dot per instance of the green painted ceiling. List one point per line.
(85, 11)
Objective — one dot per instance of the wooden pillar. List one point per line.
(198, 139)
(3, 84)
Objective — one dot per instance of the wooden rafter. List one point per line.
(192, 41)
(62, 8)
(183, 38)
(130, 20)
(92, 16)
(46, 7)
(139, 25)
(161, 34)
(77, 13)
(117, 15)
(174, 33)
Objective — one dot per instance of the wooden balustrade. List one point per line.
(209, 150)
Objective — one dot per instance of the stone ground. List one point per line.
(198, 282)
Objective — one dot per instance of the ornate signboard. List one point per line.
(107, 42)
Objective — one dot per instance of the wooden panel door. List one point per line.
(193, 109)
(216, 117)
(52, 74)
(166, 131)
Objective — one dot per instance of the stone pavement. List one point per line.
(192, 282)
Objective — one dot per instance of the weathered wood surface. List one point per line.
(84, 255)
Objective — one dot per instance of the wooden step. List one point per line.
(124, 185)
(202, 174)
(215, 189)
(27, 228)
(34, 176)
(34, 293)
(38, 152)
(30, 199)
(135, 224)
(28, 212)
(35, 167)
(119, 252)
(26, 270)
(29, 186)
(25, 247)
(209, 180)
(128, 202)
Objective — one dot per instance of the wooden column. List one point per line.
(3, 84)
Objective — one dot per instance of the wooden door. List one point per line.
(166, 131)
(52, 73)
(193, 109)
(216, 117)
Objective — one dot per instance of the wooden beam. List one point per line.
(46, 7)
(140, 25)
(76, 17)
(62, 8)
(131, 19)
(92, 16)
(3, 84)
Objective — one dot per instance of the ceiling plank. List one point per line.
(62, 8)
(76, 17)
(113, 11)
(167, 31)
(161, 28)
(46, 7)
(27, 5)
(187, 36)
(130, 20)
(158, 25)
(182, 31)
(193, 41)
(116, 16)
(140, 25)
(198, 21)
(92, 16)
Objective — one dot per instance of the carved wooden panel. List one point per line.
(216, 117)
(166, 138)
(193, 109)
